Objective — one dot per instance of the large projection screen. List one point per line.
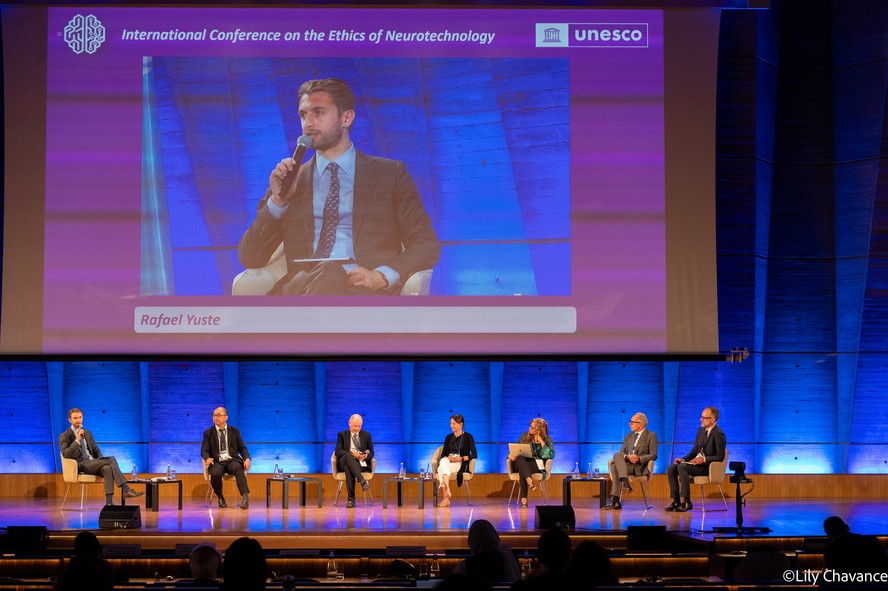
(565, 158)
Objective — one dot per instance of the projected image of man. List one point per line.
(351, 224)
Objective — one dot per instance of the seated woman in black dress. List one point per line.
(459, 449)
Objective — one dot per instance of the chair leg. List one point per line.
(645, 495)
(208, 498)
(370, 493)
(469, 490)
(702, 498)
(338, 491)
(512, 492)
(82, 496)
(65, 498)
(724, 500)
(544, 491)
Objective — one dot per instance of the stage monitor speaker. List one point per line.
(120, 517)
(647, 537)
(26, 539)
(548, 517)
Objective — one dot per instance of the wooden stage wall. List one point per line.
(785, 486)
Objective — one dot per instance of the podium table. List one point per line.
(152, 492)
(602, 489)
(302, 480)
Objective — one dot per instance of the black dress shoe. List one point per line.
(129, 493)
(673, 507)
(614, 506)
(350, 504)
(222, 503)
(686, 506)
(245, 501)
(365, 485)
(626, 484)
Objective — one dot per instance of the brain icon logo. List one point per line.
(84, 34)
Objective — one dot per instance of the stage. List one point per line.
(438, 529)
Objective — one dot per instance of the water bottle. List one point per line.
(435, 569)
(576, 471)
(421, 472)
(525, 565)
(596, 473)
(169, 472)
(402, 473)
(429, 471)
(280, 473)
(173, 475)
(135, 475)
(589, 470)
(331, 567)
(277, 475)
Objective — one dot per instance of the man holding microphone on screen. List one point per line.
(351, 224)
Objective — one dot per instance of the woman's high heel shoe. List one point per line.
(445, 502)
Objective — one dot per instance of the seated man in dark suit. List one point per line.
(78, 444)
(224, 452)
(343, 205)
(354, 454)
(639, 448)
(709, 446)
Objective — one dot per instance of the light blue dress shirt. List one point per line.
(344, 247)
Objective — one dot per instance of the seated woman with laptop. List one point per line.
(529, 455)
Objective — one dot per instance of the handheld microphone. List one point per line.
(303, 144)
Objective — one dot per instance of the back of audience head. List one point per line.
(205, 562)
(483, 538)
(553, 549)
(834, 527)
(244, 566)
(87, 544)
(590, 562)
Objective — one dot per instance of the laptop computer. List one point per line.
(520, 449)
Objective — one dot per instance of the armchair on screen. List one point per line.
(259, 281)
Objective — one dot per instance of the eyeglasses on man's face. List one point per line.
(705, 418)
(634, 422)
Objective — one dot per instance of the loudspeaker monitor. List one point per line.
(120, 517)
(646, 537)
(548, 517)
(26, 539)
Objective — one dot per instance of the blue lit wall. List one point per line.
(802, 218)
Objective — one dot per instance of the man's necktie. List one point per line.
(705, 440)
(635, 443)
(84, 450)
(331, 215)
(356, 442)
(223, 446)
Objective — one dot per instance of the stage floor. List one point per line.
(433, 527)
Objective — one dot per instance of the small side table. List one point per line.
(302, 480)
(602, 489)
(400, 482)
(152, 492)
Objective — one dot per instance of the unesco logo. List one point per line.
(84, 34)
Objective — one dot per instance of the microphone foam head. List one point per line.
(304, 140)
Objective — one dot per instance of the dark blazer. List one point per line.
(71, 449)
(714, 449)
(646, 450)
(343, 444)
(389, 224)
(237, 449)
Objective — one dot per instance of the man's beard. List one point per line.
(325, 141)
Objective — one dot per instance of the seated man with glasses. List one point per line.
(639, 448)
(224, 452)
(709, 446)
